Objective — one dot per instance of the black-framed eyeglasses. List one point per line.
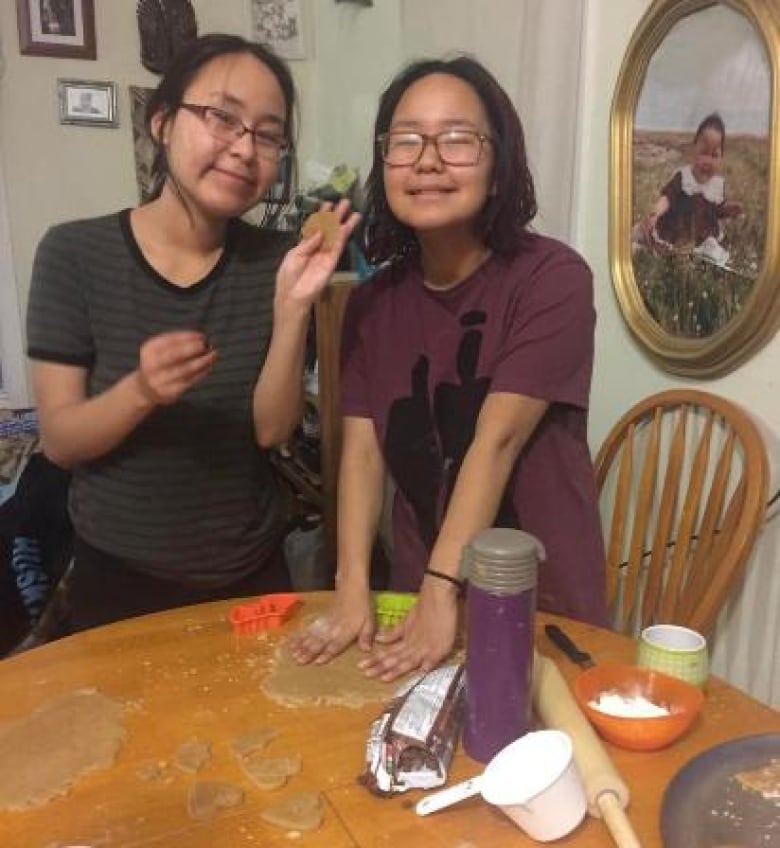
(227, 127)
(454, 147)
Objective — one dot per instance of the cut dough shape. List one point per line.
(47, 751)
(301, 811)
(271, 772)
(324, 221)
(207, 797)
(193, 755)
(337, 683)
(253, 741)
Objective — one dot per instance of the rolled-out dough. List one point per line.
(337, 683)
(45, 752)
(301, 811)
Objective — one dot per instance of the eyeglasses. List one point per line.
(454, 147)
(227, 127)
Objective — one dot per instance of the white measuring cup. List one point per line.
(533, 781)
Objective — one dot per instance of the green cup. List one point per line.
(674, 650)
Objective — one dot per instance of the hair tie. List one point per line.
(448, 577)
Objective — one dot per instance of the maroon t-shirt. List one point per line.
(420, 363)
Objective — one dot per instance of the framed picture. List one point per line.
(87, 102)
(279, 24)
(58, 28)
(693, 233)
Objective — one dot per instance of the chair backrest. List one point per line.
(682, 481)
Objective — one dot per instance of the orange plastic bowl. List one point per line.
(683, 700)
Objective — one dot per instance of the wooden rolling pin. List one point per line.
(607, 793)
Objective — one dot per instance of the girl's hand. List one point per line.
(350, 617)
(421, 641)
(171, 363)
(309, 265)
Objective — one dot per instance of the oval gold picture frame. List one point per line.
(647, 300)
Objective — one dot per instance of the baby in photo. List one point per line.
(690, 208)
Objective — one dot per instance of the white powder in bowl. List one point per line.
(636, 706)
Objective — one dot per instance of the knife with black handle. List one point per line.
(562, 641)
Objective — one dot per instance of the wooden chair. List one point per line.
(682, 481)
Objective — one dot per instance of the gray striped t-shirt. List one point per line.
(188, 495)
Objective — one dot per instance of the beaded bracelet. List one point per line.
(448, 577)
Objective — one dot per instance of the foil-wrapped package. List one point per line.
(411, 743)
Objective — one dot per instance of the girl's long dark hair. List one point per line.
(510, 206)
(169, 94)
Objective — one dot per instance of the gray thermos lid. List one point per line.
(503, 560)
(506, 543)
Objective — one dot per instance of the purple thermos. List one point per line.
(501, 566)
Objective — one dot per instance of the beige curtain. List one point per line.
(534, 48)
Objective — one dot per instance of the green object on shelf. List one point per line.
(392, 607)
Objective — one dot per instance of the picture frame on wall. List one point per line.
(87, 102)
(279, 24)
(57, 28)
(693, 236)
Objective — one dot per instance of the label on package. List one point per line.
(411, 744)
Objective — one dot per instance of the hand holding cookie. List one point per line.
(307, 268)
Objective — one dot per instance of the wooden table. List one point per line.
(184, 674)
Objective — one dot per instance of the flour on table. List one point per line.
(151, 770)
(47, 751)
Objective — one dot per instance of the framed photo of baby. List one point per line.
(694, 241)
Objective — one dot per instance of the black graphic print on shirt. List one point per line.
(425, 443)
(412, 451)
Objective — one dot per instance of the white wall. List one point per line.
(341, 93)
(747, 648)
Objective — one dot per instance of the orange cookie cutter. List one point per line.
(265, 613)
